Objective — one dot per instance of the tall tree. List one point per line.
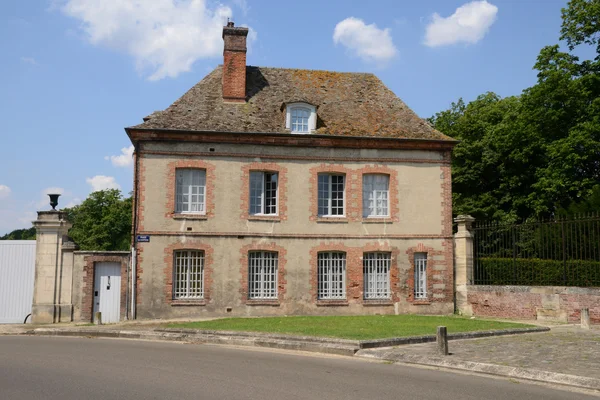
(20, 234)
(102, 221)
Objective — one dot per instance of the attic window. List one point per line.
(301, 118)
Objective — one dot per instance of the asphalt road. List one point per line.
(78, 368)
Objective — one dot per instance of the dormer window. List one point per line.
(301, 118)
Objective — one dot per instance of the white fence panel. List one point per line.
(17, 273)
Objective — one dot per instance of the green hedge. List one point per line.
(536, 272)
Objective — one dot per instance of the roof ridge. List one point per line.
(309, 69)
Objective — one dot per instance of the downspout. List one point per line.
(136, 209)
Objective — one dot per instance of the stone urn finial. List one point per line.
(54, 200)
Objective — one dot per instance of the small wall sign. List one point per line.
(143, 238)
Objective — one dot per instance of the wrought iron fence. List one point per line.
(563, 251)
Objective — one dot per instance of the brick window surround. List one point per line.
(168, 272)
(210, 188)
(439, 282)
(281, 191)
(351, 204)
(281, 282)
(392, 190)
(89, 273)
(354, 273)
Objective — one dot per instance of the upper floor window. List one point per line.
(301, 118)
(263, 193)
(190, 191)
(331, 195)
(376, 195)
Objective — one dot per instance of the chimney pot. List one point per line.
(234, 63)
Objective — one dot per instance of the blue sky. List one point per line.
(74, 73)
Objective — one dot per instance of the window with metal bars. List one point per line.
(376, 195)
(420, 275)
(376, 274)
(190, 191)
(331, 195)
(188, 274)
(331, 276)
(262, 274)
(263, 193)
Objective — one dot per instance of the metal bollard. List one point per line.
(442, 340)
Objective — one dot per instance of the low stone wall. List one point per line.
(555, 303)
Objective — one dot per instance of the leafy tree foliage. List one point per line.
(537, 153)
(20, 234)
(102, 221)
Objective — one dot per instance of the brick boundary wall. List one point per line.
(168, 272)
(209, 200)
(522, 302)
(439, 274)
(282, 181)
(281, 273)
(87, 287)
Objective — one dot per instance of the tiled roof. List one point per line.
(348, 104)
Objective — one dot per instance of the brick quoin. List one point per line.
(281, 191)
(446, 274)
(393, 191)
(281, 273)
(210, 188)
(352, 187)
(446, 174)
(168, 271)
(89, 273)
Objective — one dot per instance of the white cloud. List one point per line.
(4, 191)
(28, 60)
(163, 36)
(73, 203)
(469, 24)
(101, 182)
(125, 159)
(365, 41)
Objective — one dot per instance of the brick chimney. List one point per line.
(234, 63)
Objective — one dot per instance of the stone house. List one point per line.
(271, 191)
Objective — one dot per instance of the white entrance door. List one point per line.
(107, 291)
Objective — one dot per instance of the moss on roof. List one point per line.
(348, 104)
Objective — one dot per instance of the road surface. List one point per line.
(78, 368)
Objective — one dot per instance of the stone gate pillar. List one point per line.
(51, 231)
(463, 262)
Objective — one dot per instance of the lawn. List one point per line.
(351, 327)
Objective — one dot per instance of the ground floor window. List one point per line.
(262, 274)
(420, 275)
(331, 276)
(188, 274)
(376, 275)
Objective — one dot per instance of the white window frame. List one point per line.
(331, 275)
(182, 190)
(262, 197)
(262, 275)
(371, 193)
(312, 119)
(420, 275)
(326, 196)
(188, 274)
(376, 275)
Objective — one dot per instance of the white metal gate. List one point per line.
(17, 273)
(107, 291)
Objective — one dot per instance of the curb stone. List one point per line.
(491, 369)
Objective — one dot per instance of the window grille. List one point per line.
(420, 275)
(376, 195)
(190, 191)
(331, 195)
(300, 118)
(376, 273)
(331, 276)
(188, 275)
(262, 274)
(263, 193)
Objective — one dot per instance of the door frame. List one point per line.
(89, 269)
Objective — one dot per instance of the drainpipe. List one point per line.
(133, 274)
(136, 209)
